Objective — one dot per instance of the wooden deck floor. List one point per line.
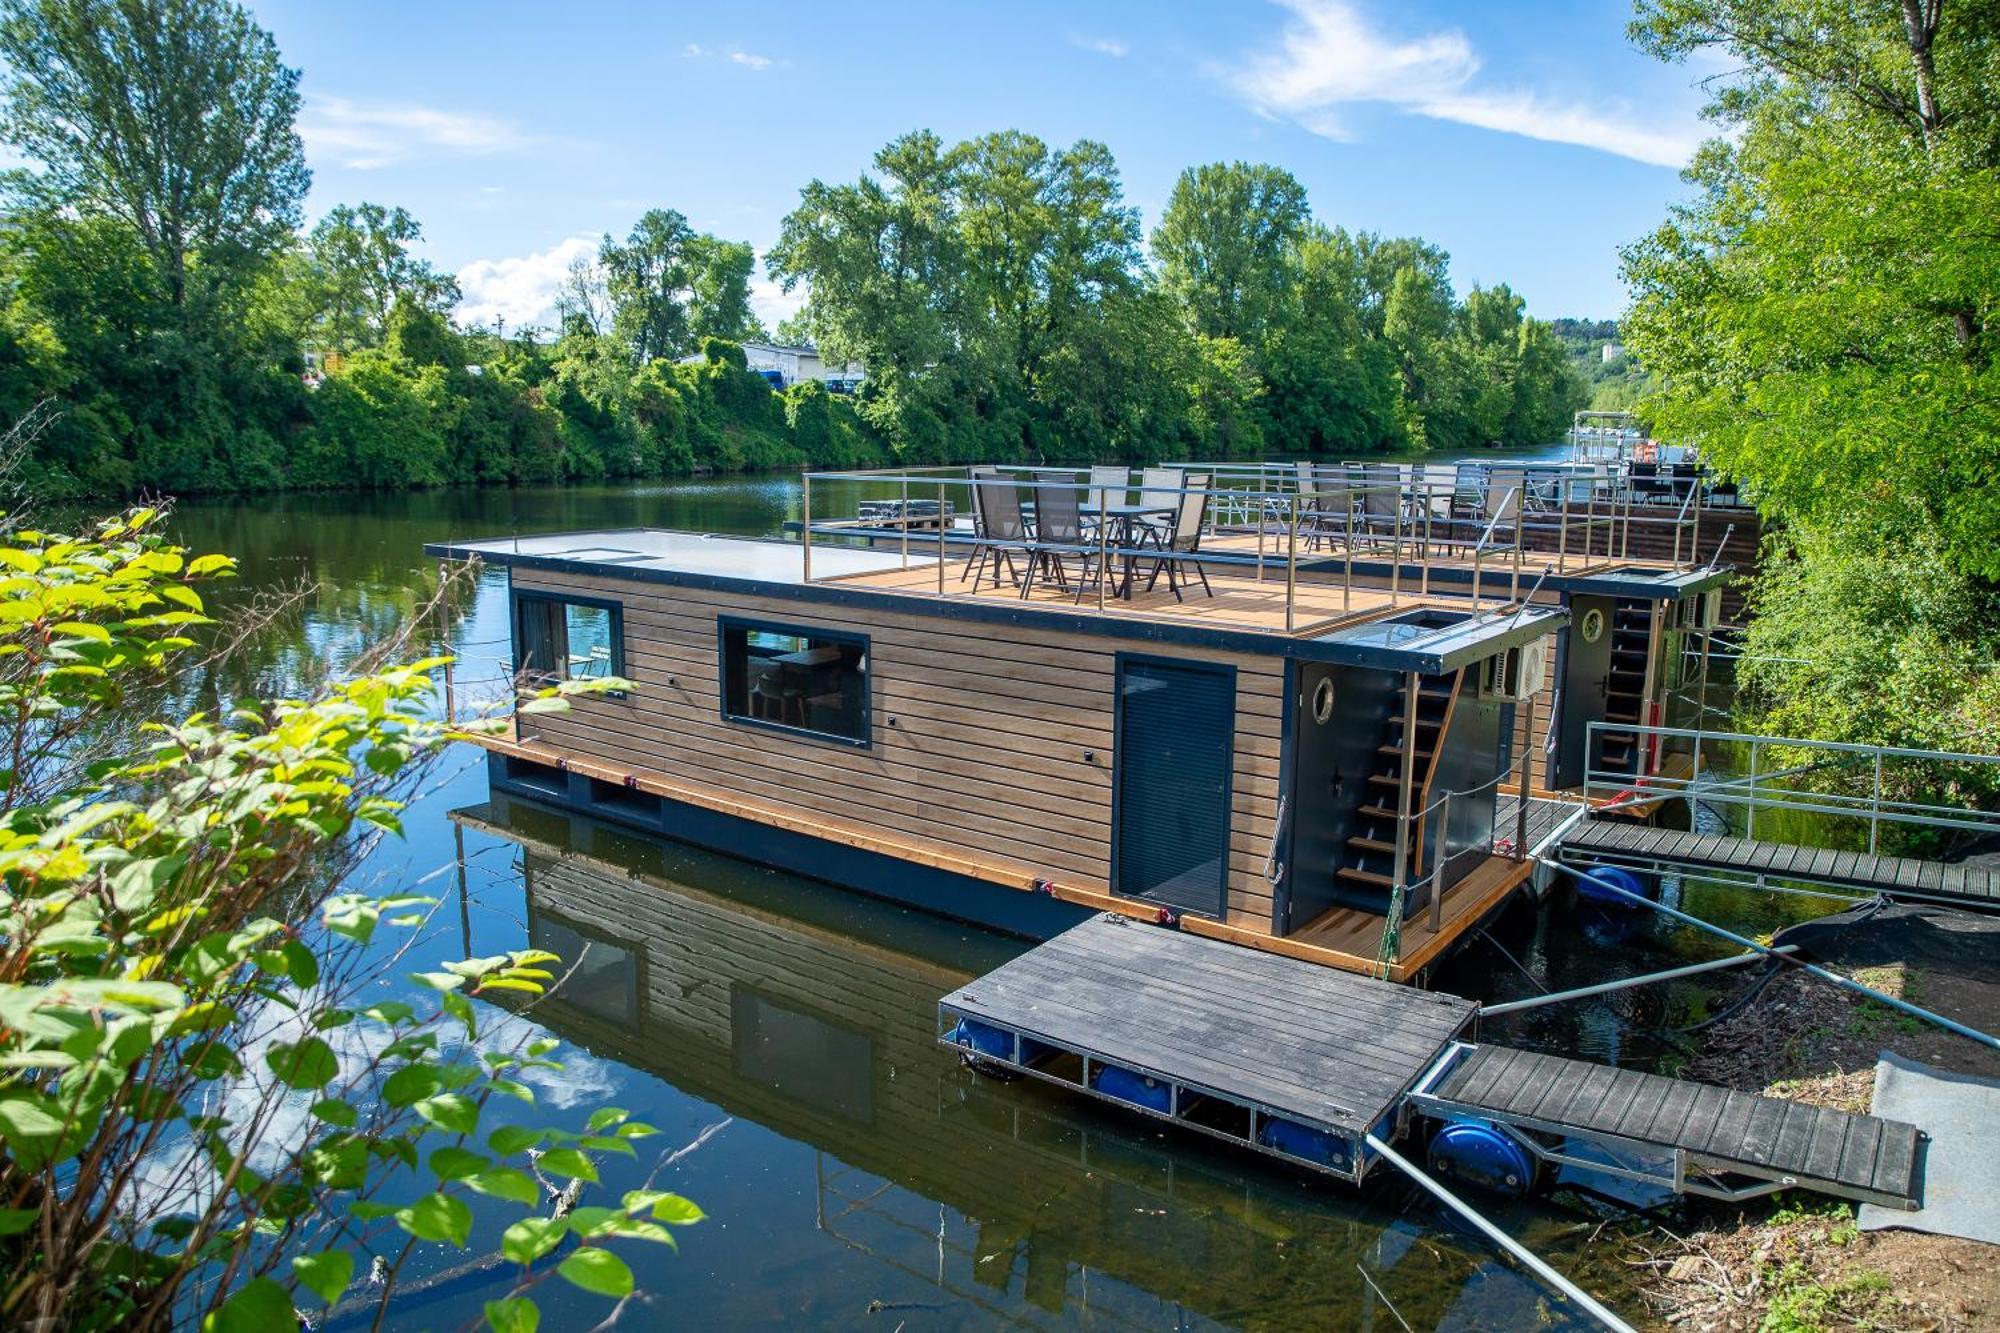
(1237, 600)
(1353, 933)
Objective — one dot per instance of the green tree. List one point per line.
(361, 268)
(1225, 246)
(719, 290)
(1820, 313)
(173, 116)
(648, 278)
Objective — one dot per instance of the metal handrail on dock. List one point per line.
(1754, 790)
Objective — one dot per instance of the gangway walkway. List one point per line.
(1707, 1134)
(1620, 841)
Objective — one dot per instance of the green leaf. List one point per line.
(325, 1274)
(517, 1315)
(604, 1117)
(598, 1270)
(306, 1064)
(437, 1217)
(410, 1084)
(676, 1211)
(568, 1162)
(455, 1163)
(505, 1182)
(13, 1221)
(510, 1139)
(531, 1238)
(450, 1111)
(261, 1305)
(336, 1113)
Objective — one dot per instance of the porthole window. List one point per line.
(1592, 627)
(1323, 700)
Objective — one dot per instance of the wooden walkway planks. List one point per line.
(1318, 1045)
(1837, 1152)
(1618, 838)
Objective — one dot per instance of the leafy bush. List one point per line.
(179, 967)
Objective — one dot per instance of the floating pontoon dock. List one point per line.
(1304, 1063)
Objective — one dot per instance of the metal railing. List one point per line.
(1780, 778)
(1356, 542)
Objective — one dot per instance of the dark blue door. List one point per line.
(1176, 736)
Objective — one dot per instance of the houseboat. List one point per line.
(1078, 703)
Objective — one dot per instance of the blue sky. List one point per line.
(1528, 139)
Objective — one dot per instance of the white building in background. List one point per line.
(785, 366)
(1612, 351)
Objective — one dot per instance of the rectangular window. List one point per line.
(801, 679)
(567, 638)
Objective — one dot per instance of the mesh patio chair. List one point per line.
(997, 525)
(1109, 485)
(1324, 506)
(1058, 535)
(1154, 483)
(1184, 540)
(1378, 502)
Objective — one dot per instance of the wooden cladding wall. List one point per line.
(992, 741)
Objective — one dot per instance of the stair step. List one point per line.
(1386, 780)
(1365, 877)
(1422, 755)
(1377, 812)
(1372, 845)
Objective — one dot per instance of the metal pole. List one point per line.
(904, 514)
(1845, 983)
(1750, 802)
(1347, 558)
(1396, 557)
(1607, 987)
(1291, 564)
(1874, 807)
(1412, 684)
(806, 528)
(1521, 798)
(941, 527)
(1440, 857)
(1527, 1257)
(1562, 532)
(1104, 540)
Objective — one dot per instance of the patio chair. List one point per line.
(1499, 518)
(1185, 538)
(1154, 483)
(1058, 535)
(1325, 508)
(997, 525)
(1379, 502)
(1109, 485)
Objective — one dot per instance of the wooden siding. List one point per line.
(990, 742)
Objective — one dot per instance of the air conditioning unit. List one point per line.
(1516, 675)
(1701, 612)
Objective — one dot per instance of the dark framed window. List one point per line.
(557, 637)
(810, 681)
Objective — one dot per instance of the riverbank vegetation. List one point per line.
(160, 288)
(206, 1118)
(1820, 316)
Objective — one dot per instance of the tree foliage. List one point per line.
(174, 117)
(1820, 320)
(205, 1120)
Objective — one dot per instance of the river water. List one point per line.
(854, 1175)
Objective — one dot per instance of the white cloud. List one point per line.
(520, 290)
(772, 304)
(1104, 46)
(749, 60)
(1329, 58)
(365, 136)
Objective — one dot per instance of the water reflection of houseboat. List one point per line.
(811, 1012)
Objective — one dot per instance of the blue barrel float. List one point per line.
(1483, 1154)
(1296, 1140)
(1590, 886)
(1129, 1085)
(983, 1039)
